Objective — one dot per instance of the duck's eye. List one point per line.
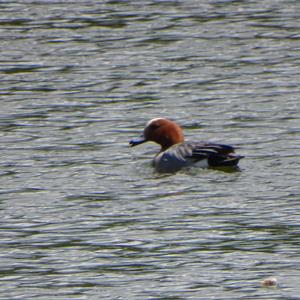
(154, 126)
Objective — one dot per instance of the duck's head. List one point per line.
(161, 131)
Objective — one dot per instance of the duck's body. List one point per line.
(197, 154)
(176, 154)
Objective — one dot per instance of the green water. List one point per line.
(83, 216)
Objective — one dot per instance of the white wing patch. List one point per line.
(203, 163)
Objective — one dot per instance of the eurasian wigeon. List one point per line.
(176, 154)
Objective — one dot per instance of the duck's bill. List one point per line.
(137, 141)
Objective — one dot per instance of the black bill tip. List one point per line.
(137, 141)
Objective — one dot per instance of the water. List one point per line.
(83, 216)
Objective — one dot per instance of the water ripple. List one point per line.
(84, 215)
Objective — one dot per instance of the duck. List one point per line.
(176, 153)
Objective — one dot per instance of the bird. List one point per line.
(176, 153)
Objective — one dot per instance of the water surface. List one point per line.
(83, 216)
